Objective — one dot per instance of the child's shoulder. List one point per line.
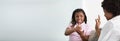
(84, 24)
(87, 25)
(70, 25)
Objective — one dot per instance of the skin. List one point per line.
(108, 16)
(79, 17)
(97, 26)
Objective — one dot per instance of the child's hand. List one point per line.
(69, 30)
(78, 28)
(97, 22)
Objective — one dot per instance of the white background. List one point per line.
(42, 20)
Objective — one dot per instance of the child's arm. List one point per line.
(81, 33)
(69, 31)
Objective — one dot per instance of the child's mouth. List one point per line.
(79, 21)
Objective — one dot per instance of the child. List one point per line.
(78, 30)
(111, 30)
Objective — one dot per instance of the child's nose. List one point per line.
(79, 17)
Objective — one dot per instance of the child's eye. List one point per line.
(81, 16)
(77, 16)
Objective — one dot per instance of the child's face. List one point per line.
(108, 15)
(79, 17)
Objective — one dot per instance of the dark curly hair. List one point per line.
(76, 11)
(112, 6)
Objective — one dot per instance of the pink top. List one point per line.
(75, 36)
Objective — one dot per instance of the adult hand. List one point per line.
(97, 22)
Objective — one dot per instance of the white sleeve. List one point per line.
(114, 35)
